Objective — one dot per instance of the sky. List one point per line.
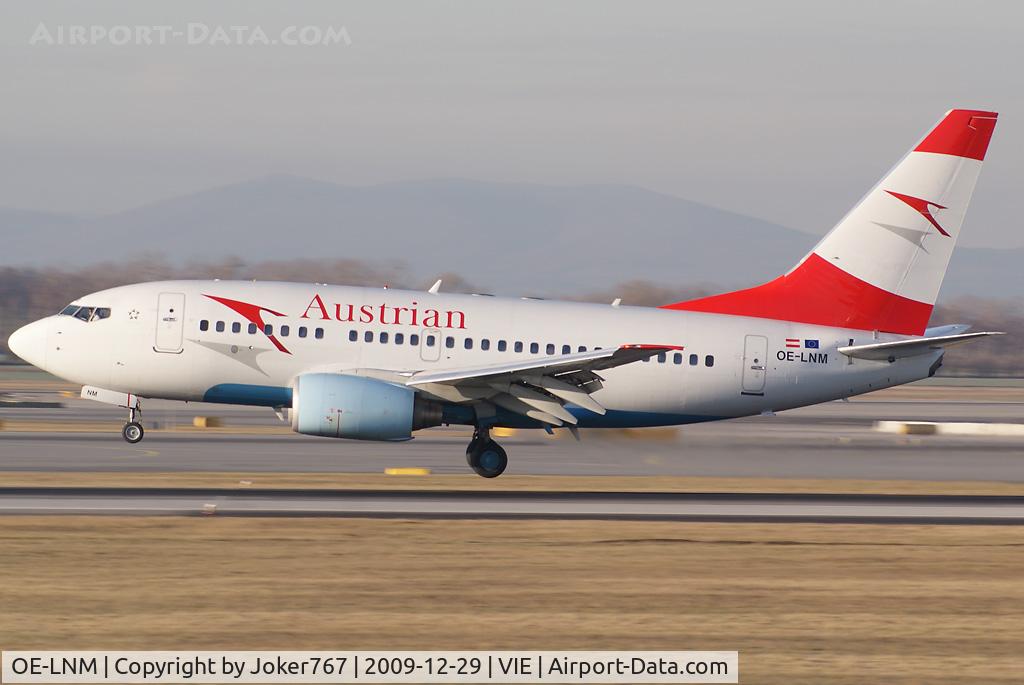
(786, 111)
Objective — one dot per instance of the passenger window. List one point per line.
(285, 330)
(414, 339)
(661, 357)
(449, 342)
(693, 360)
(550, 348)
(582, 348)
(383, 338)
(368, 336)
(204, 325)
(468, 343)
(302, 331)
(253, 328)
(647, 360)
(268, 329)
(709, 360)
(236, 327)
(566, 349)
(431, 340)
(502, 346)
(318, 333)
(677, 358)
(485, 344)
(519, 346)
(220, 326)
(534, 348)
(399, 338)
(353, 335)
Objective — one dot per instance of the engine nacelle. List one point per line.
(339, 406)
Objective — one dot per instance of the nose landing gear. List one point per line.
(485, 456)
(132, 431)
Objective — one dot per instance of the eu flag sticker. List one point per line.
(811, 344)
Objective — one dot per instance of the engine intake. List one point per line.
(339, 406)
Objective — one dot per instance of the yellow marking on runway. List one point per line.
(406, 471)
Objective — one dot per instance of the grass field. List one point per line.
(802, 603)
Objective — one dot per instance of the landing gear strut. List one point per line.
(132, 431)
(485, 456)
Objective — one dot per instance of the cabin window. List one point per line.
(534, 348)
(220, 326)
(302, 331)
(519, 346)
(582, 348)
(677, 358)
(414, 339)
(485, 344)
(502, 346)
(204, 325)
(285, 330)
(399, 338)
(566, 349)
(693, 360)
(449, 342)
(318, 334)
(353, 336)
(253, 328)
(368, 336)
(431, 340)
(550, 348)
(468, 344)
(661, 357)
(268, 329)
(236, 327)
(383, 338)
(709, 360)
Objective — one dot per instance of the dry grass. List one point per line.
(802, 603)
(244, 480)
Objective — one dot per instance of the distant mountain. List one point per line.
(508, 237)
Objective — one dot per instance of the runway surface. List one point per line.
(816, 508)
(831, 440)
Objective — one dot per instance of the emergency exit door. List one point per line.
(755, 364)
(170, 322)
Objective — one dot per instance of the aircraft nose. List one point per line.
(29, 342)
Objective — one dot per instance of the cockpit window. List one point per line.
(86, 313)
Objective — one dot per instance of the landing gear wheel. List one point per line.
(132, 432)
(488, 459)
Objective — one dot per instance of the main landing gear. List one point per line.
(485, 456)
(132, 431)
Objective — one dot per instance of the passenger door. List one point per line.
(170, 322)
(755, 364)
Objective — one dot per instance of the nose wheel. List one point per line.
(486, 457)
(132, 431)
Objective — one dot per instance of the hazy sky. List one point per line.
(786, 111)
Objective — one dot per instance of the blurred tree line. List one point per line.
(27, 294)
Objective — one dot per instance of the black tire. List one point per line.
(488, 459)
(132, 432)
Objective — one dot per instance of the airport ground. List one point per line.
(803, 602)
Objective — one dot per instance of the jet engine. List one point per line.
(338, 406)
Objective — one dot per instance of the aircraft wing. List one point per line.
(898, 349)
(538, 388)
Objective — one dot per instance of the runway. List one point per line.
(440, 504)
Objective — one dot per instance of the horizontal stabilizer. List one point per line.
(897, 349)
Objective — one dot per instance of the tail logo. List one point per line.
(923, 207)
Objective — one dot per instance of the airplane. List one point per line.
(378, 364)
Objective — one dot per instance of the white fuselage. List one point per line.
(203, 350)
